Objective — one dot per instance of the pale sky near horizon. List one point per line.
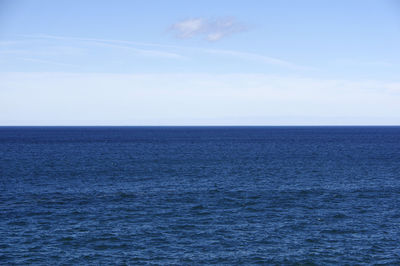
(199, 62)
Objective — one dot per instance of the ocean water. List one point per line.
(199, 195)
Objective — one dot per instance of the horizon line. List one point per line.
(233, 125)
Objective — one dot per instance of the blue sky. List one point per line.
(199, 63)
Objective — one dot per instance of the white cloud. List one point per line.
(189, 27)
(210, 29)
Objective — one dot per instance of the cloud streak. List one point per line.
(172, 51)
(143, 52)
(46, 62)
(209, 29)
(259, 58)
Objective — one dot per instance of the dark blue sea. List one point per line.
(199, 195)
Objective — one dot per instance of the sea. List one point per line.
(200, 195)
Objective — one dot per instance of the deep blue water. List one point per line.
(199, 195)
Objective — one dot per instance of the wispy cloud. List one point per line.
(46, 62)
(50, 50)
(210, 29)
(358, 63)
(91, 40)
(144, 52)
(259, 58)
(171, 51)
(118, 44)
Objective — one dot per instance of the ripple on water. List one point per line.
(273, 196)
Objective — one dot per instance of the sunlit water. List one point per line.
(182, 195)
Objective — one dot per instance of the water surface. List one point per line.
(199, 195)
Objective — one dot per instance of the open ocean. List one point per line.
(199, 195)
